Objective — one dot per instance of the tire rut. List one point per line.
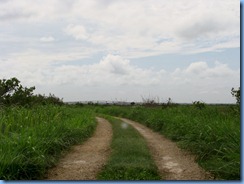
(172, 162)
(84, 161)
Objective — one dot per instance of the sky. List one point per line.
(123, 50)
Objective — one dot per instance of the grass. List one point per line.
(130, 158)
(32, 140)
(212, 133)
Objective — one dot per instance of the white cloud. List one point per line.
(135, 28)
(47, 39)
(200, 71)
(36, 67)
(115, 64)
(126, 29)
(123, 80)
(197, 67)
(77, 31)
(183, 25)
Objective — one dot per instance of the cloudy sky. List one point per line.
(123, 50)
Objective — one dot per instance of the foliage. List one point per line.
(12, 92)
(169, 103)
(199, 105)
(154, 102)
(237, 95)
(130, 159)
(79, 104)
(150, 101)
(31, 140)
(44, 100)
(213, 133)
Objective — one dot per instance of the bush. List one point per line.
(199, 105)
(237, 95)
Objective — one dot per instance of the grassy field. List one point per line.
(212, 133)
(31, 140)
(130, 158)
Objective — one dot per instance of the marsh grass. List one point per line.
(31, 140)
(130, 158)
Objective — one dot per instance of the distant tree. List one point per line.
(44, 100)
(237, 95)
(90, 103)
(8, 86)
(199, 105)
(52, 99)
(79, 104)
(169, 101)
(150, 101)
(12, 92)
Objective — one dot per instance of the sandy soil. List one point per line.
(172, 162)
(84, 161)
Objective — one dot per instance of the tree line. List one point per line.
(13, 93)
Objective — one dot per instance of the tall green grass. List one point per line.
(130, 158)
(212, 133)
(31, 140)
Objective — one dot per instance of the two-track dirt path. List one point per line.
(172, 162)
(84, 161)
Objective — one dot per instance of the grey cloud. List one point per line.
(118, 70)
(14, 16)
(106, 3)
(4, 1)
(201, 28)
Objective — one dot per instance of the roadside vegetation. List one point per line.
(35, 130)
(211, 132)
(130, 158)
(31, 140)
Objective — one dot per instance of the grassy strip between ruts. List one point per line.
(130, 158)
(31, 140)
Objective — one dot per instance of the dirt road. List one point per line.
(172, 162)
(84, 161)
